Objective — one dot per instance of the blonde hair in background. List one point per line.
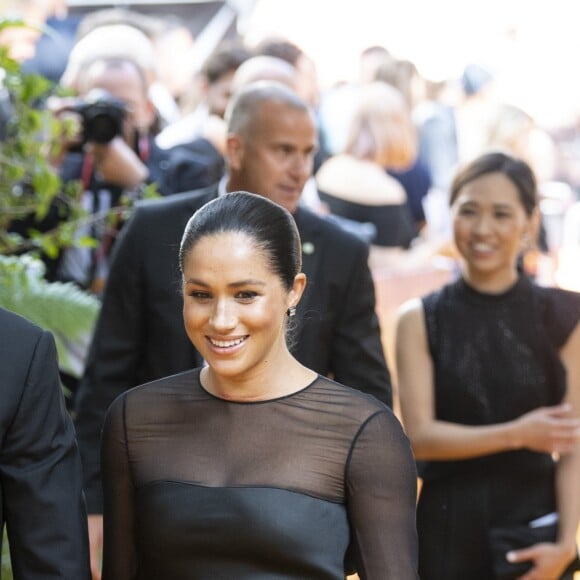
(381, 129)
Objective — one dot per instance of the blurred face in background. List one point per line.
(218, 94)
(490, 227)
(274, 155)
(172, 48)
(123, 80)
(307, 81)
(21, 40)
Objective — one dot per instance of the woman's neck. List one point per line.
(492, 283)
(268, 381)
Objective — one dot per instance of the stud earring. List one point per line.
(291, 311)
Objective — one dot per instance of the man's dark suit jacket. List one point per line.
(140, 334)
(41, 499)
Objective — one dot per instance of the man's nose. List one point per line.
(301, 165)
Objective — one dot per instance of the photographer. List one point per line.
(111, 156)
(114, 158)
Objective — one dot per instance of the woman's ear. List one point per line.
(297, 289)
(532, 231)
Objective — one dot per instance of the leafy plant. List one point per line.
(30, 137)
(63, 308)
(31, 140)
(6, 569)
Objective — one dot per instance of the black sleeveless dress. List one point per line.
(199, 488)
(495, 358)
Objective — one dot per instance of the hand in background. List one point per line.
(549, 560)
(549, 429)
(117, 163)
(96, 544)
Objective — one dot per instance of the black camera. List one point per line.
(102, 116)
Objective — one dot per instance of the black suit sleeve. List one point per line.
(42, 480)
(358, 358)
(114, 355)
(193, 166)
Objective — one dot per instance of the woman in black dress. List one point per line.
(252, 467)
(489, 378)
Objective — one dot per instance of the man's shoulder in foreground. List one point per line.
(17, 326)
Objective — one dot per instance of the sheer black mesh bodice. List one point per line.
(495, 358)
(201, 488)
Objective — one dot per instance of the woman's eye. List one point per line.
(502, 215)
(246, 295)
(198, 295)
(466, 211)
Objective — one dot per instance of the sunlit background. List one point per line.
(532, 47)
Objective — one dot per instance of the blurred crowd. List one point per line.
(154, 119)
(150, 111)
(404, 135)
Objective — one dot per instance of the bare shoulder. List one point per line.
(410, 313)
(572, 344)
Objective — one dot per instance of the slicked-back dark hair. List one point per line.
(271, 227)
(516, 170)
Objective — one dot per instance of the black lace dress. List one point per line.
(495, 358)
(300, 487)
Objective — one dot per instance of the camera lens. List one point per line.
(102, 116)
(102, 128)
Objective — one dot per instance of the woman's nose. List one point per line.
(224, 315)
(483, 224)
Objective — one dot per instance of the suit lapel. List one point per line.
(309, 229)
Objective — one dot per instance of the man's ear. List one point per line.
(234, 151)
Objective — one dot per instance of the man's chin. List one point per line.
(287, 201)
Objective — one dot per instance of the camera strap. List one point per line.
(143, 147)
(87, 169)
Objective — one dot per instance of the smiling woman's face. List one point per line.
(234, 305)
(490, 226)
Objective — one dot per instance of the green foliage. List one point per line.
(28, 180)
(29, 183)
(63, 308)
(29, 186)
(6, 570)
